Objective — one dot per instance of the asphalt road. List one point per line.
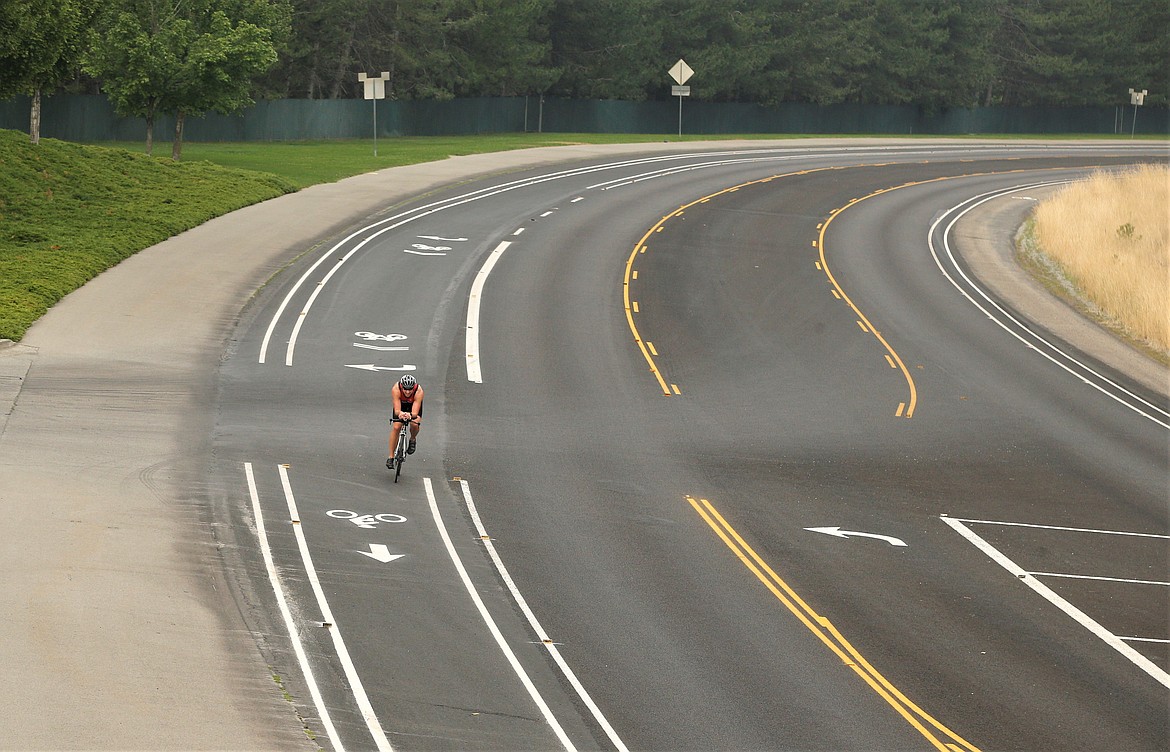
(656, 383)
(649, 471)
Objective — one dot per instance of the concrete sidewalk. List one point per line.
(120, 629)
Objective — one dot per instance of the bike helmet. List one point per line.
(407, 382)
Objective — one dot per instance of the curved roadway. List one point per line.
(672, 372)
(724, 449)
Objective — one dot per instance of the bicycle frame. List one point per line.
(401, 446)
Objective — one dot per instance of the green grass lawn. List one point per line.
(307, 162)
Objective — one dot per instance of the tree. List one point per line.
(499, 48)
(183, 57)
(39, 48)
(606, 49)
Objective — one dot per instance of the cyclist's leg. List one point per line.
(415, 427)
(395, 428)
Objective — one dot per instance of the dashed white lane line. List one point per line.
(1110, 639)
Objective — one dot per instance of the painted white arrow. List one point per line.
(372, 367)
(379, 552)
(837, 532)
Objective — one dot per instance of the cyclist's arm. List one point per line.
(416, 406)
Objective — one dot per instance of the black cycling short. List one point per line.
(408, 407)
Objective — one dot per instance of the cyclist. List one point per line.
(406, 397)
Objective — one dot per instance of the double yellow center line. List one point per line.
(936, 733)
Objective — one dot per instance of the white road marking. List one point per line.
(997, 314)
(380, 552)
(372, 367)
(1103, 579)
(535, 624)
(474, 373)
(1110, 639)
(351, 675)
(837, 532)
(1057, 527)
(384, 349)
(286, 613)
(491, 623)
(753, 155)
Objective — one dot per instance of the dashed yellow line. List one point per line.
(941, 737)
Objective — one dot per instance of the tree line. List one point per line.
(936, 53)
(188, 57)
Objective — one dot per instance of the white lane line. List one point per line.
(1103, 579)
(1000, 316)
(416, 213)
(536, 627)
(519, 231)
(1110, 639)
(491, 624)
(355, 683)
(286, 613)
(474, 373)
(1146, 639)
(1066, 529)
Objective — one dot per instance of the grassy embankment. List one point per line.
(1105, 246)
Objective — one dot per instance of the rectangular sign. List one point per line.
(680, 91)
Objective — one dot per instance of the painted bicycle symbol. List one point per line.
(367, 521)
(371, 337)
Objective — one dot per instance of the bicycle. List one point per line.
(402, 445)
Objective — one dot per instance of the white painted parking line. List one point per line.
(1110, 639)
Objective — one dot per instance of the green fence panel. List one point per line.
(462, 116)
(89, 118)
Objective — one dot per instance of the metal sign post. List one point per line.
(680, 72)
(1136, 98)
(375, 89)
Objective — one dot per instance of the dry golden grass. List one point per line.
(1110, 237)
